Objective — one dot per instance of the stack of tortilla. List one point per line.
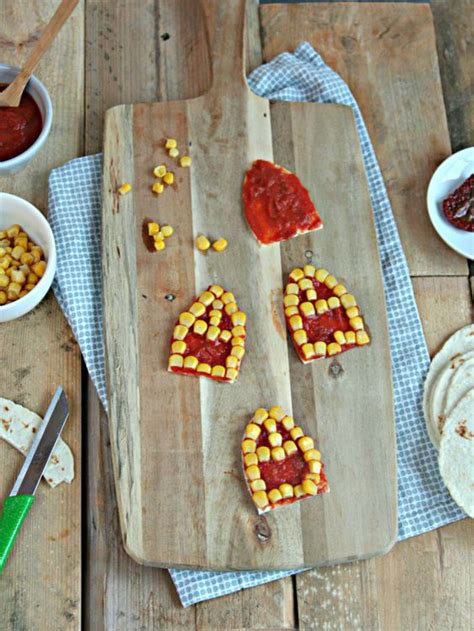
(448, 405)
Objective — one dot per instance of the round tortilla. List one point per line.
(461, 343)
(462, 380)
(456, 453)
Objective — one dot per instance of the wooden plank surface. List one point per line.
(42, 582)
(410, 137)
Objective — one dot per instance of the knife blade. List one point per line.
(22, 496)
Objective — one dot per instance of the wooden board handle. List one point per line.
(225, 25)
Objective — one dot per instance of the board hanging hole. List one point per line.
(170, 297)
(308, 254)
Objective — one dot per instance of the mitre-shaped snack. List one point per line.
(280, 462)
(323, 319)
(209, 338)
(277, 206)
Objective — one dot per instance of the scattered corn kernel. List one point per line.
(153, 228)
(203, 243)
(220, 245)
(168, 178)
(173, 152)
(158, 188)
(159, 171)
(167, 231)
(171, 143)
(159, 244)
(185, 161)
(124, 189)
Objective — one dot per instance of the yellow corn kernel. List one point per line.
(197, 309)
(296, 322)
(36, 253)
(257, 485)
(225, 336)
(270, 425)
(321, 306)
(218, 305)
(17, 252)
(22, 242)
(191, 362)
(200, 327)
(239, 318)
(206, 298)
(292, 288)
(307, 309)
(290, 447)
(333, 302)
(159, 244)
(274, 496)
(153, 228)
(253, 472)
(237, 351)
(275, 439)
(227, 297)
(300, 337)
(286, 490)
(216, 290)
(22, 293)
(340, 337)
(339, 290)
(356, 323)
(348, 300)
(263, 453)
(237, 341)
(289, 311)
(231, 308)
(309, 271)
(309, 487)
(167, 231)
(320, 349)
(296, 432)
(27, 258)
(333, 349)
(315, 477)
(5, 262)
(330, 281)
(3, 298)
(124, 189)
(173, 152)
(214, 321)
(298, 491)
(158, 188)
(305, 443)
(158, 236)
(308, 350)
(276, 412)
(175, 361)
(185, 161)
(291, 300)
(238, 331)
(231, 374)
(260, 415)
(218, 371)
(250, 459)
(159, 171)
(204, 368)
(186, 319)
(321, 275)
(288, 423)
(13, 231)
(311, 294)
(220, 245)
(362, 338)
(278, 454)
(168, 178)
(260, 499)
(297, 274)
(171, 143)
(39, 268)
(305, 283)
(178, 347)
(215, 313)
(180, 332)
(312, 454)
(212, 332)
(29, 286)
(350, 337)
(352, 312)
(314, 466)
(253, 431)
(4, 280)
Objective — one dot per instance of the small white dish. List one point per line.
(13, 210)
(40, 94)
(446, 179)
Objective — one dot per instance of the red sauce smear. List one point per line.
(212, 353)
(459, 206)
(277, 206)
(19, 126)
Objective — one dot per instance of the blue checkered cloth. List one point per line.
(74, 214)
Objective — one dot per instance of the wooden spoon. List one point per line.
(11, 96)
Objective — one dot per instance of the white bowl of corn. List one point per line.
(27, 257)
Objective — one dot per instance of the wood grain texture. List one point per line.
(410, 137)
(42, 582)
(423, 580)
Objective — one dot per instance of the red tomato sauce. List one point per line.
(290, 470)
(207, 352)
(277, 206)
(19, 126)
(320, 328)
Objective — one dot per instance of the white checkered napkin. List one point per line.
(423, 501)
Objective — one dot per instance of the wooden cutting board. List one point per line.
(175, 439)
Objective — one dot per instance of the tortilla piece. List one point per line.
(460, 342)
(462, 381)
(456, 454)
(18, 426)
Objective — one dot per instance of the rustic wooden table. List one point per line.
(70, 568)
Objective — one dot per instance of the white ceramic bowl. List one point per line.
(14, 209)
(37, 90)
(447, 178)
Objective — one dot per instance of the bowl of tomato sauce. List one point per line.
(23, 129)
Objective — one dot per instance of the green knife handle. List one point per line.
(15, 510)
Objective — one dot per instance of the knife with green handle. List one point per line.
(22, 496)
